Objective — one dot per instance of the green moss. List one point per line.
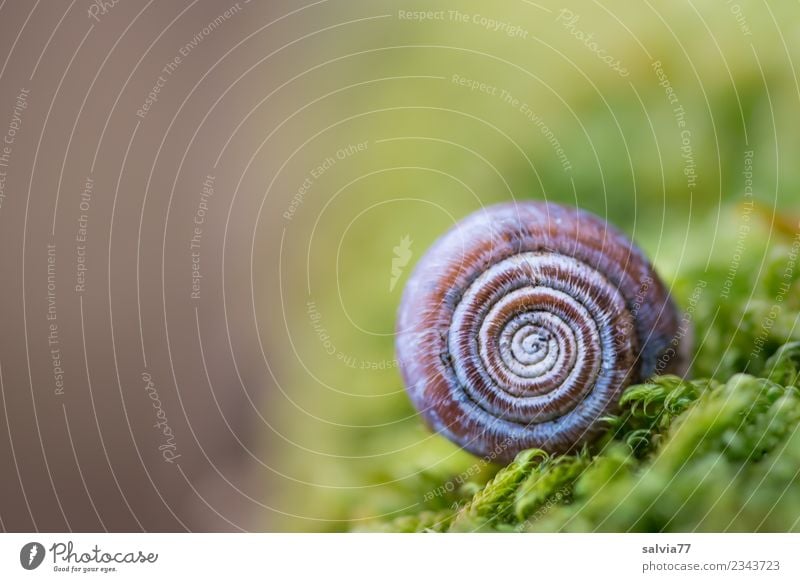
(784, 366)
(681, 456)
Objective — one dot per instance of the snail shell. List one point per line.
(523, 324)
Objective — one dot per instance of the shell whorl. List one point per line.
(523, 324)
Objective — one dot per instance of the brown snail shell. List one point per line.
(523, 324)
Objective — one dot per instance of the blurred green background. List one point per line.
(678, 171)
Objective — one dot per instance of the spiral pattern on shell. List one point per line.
(522, 326)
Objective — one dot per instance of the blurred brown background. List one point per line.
(115, 416)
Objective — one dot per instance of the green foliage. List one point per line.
(784, 366)
(744, 299)
(681, 455)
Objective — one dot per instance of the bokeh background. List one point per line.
(323, 146)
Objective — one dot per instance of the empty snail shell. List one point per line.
(523, 324)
